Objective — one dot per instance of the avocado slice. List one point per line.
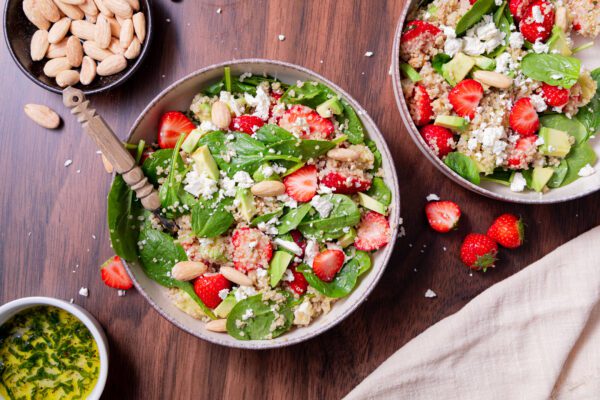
(245, 200)
(223, 309)
(558, 41)
(204, 114)
(261, 174)
(485, 63)
(456, 69)
(330, 107)
(540, 177)
(191, 141)
(279, 263)
(556, 143)
(205, 163)
(452, 122)
(372, 204)
(410, 72)
(348, 238)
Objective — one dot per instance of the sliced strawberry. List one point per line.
(208, 286)
(439, 139)
(555, 96)
(345, 184)
(299, 240)
(299, 284)
(306, 122)
(443, 216)
(302, 184)
(252, 249)
(523, 118)
(246, 123)
(537, 21)
(517, 8)
(416, 28)
(519, 156)
(419, 106)
(465, 97)
(373, 232)
(472, 2)
(328, 263)
(114, 274)
(172, 125)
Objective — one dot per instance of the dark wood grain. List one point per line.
(50, 214)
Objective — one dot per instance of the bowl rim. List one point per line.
(424, 148)
(386, 251)
(13, 307)
(128, 72)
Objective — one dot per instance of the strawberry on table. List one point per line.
(520, 155)
(208, 286)
(439, 139)
(508, 231)
(306, 122)
(114, 275)
(523, 117)
(252, 249)
(172, 125)
(328, 263)
(478, 251)
(246, 123)
(537, 21)
(443, 216)
(302, 184)
(419, 106)
(299, 284)
(373, 232)
(555, 96)
(345, 183)
(465, 97)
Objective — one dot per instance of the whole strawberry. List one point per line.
(478, 252)
(443, 216)
(508, 231)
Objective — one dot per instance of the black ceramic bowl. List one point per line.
(18, 32)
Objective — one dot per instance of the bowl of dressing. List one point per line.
(51, 349)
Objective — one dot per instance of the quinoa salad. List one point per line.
(277, 201)
(497, 91)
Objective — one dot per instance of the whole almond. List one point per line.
(115, 46)
(59, 30)
(48, 10)
(53, 67)
(133, 51)
(493, 78)
(74, 2)
(134, 4)
(220, 115)
(188, 270)
(91, 49)
(126, 35)
(74, 51)
(139, 26)
(42, 115)
(88, 71)
(235, 276)
(103, 9)
(69, 10)
(340, 154)
(56, 50)
(561, 18)
(216, 325)
(107, 165)
(39, 45)
(102, 32)
(34, 15)
(91, 18)
(112, 65)
(67, 78)
(89, 8)
(84, 30)
(119, 7)
(268, 189)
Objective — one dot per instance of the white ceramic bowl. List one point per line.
(11, 308)
(178, 96)
(579, 188)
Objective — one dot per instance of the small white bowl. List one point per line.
(11, 308)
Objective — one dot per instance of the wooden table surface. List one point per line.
(53, 233)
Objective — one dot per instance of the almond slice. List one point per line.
(134, 49)
(84, 30)
(134, 4)
(268, 189)
(34, 15)
(88, 71)
(56, 50)
(220, 115)
(115, 46)
(74, 2)
(66, 78)
(91, 49)
(492, 78)
(39, 45)
(53, 67)
(70, 10)
(115, 27)
(103, 9)
(112, 65)
(341, 154)
(42, 115)
(103, 34)
(126, 35)
(119, 7)
(48, 9)
(74, 51)
(188, 270)
(139, 26)
(216, 325)
(235, 276)
(59, 30)
(89, 8)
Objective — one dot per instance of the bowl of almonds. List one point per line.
(93, 45)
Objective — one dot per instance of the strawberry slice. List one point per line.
(328, 263)
(345, 184)
(306, 123)
(443, 216)
(523, 118)
(523, 151)
(299, 240)
(373, 232)
(517, 8)
(252, 249)
(172, 125)
(416, 28)
(555, 96)
(537, 21)
(439, 139)
(302, 184)
(420, 106)
(114, 274)
(246, 123)
(208, 286)
(465, 97)
(299, 284)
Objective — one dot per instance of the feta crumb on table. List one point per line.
(430, 294)
(84, 292)
(432, 197)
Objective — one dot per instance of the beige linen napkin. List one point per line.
(535, 335)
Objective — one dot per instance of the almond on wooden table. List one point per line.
(139, 26)
(39, 45)
(56, 50)
(69, 10)
(42, 115)
(48, 10)
(88, 71)
(66, 78)
(53, 67)
(59, 30)
(133, 51)
(84, 30)
(103, 35)
(34, 15)
(74, 51)
(111, 65)
(91, 49)
(126, 35)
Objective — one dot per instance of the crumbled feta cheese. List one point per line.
(453, 46)
(587, 170)
(121, 293)
(243, 179)
(536, 13)
(538, 102)
(219, 11)
(223, 293)
(279, 169)
(518, 183)
(369, 54)
(516, 40)
(84, 292)
(243, 292)
(230, 100)
(540, 47)
(557, 76)
(310, 252)
(248, 314)
(261, 272)
(281, 37)
(432, 197)
(68, 162)
(288, 276)
(287, 201)
(208, 126)
(498, 2)
(539, 141)
(267, 171)
(430, 294)
(303, 313)
(290, 246)
(199, 184)
(322, 205)
(261, 102)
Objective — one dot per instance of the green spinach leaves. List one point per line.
(211, 218)
(589, 115)
(474, 15)
(344, 213)
(553, 69)
(463, 166)
(253, 318)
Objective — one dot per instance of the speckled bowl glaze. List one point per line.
(178, 96)
(579, 188)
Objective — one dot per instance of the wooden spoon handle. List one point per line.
(111, 147)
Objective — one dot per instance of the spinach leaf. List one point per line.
(589, 115)
(344, 213)
(282, 141)
(474, 15)
(572, 126)
(158, 254)
(266, 217)
(577, 158)
(380, 191)
(378, 161)
(344, 281)
(500, 176)
(172, 195)
(123, 210)
(263, 315)
(210, 218)
(438, 61)
(355, 130)
(553, 69)
(292, 218)
(503, 24)
(560, 172)
(159, 159)
(463, 166)
(233, 84)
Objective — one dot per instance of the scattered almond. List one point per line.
(120, 8)
(107, 165)
(89, 8)
(91, 49)
(341, 154)
(74, 2)
(92, 19)
(112, 65)
(561, 19)
(42, 115)
(492, 78)
(59, 30)
(67, 78)
(126, 35)
(69, 10)
(188, 270)
(133, 51)
(139, 26)
(88, 71)
(216, 325)
(103, 9)
(55, 66)
(34, 15)
(84, 30)
(220, 115)
(39, 45)
(103, 34)
(48, 9)
(235, 276)
(115, 27)
(74, 51)
(115, 46)
(268, 189)
(134, 4)
(56, 50)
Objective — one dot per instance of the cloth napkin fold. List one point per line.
(535, 335)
